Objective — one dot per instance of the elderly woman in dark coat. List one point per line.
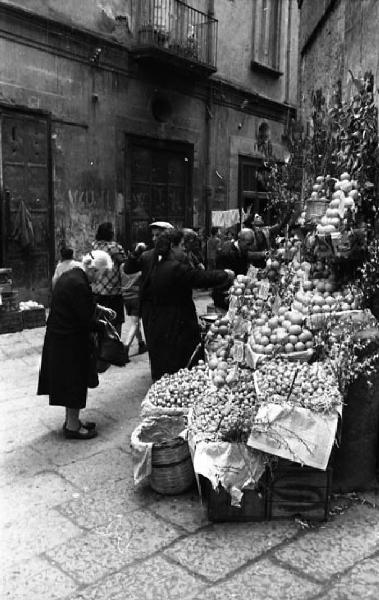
(68, 366)
(168, 312)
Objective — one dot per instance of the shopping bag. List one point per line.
(111, 348)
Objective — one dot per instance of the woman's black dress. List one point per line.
(168, 313)
(68, 365)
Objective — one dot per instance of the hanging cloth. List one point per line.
(218, 218)
(231, 217)
(23, 232)
(225, 218)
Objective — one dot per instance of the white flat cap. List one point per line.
(161, 225)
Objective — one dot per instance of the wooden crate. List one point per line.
(298, 491)
(11, 321)
(34, 317)
(253, 504)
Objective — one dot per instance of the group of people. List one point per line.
(86, 293)
(153, 286)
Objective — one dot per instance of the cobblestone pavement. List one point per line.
(75, 528)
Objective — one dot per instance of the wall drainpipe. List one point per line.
(208, 129)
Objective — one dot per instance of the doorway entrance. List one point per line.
(252, 190)
(25, 202)
(158, 176)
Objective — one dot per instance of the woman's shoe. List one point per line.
(86, 425)
(142, 348)
(69, 434)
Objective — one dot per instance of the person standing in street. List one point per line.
(168, 311)
(213, 247)
(192, 246)
(68, 364)
(107, 285)
(66, 263)
(264, 237)
(234, 256)
(130, 285)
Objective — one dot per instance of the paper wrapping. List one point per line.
(295, 433)
(234, 466)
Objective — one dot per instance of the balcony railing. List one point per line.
(178, 30)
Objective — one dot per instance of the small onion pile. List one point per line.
(301, 384)
(181, 389)
(226, 414)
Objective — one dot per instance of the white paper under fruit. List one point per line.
(294, 433)
(234, 466)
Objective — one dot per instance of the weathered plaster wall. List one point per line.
(235, 49)
(235, 135)
(235, 36)
(93, 108)
(323, 62)
(362, 37)
(346, 39)
(96, 15)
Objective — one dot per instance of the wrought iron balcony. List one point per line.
(171, 33)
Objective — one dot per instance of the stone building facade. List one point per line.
(131, 111)
(338, 40)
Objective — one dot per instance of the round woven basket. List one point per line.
(172, 470)
(315, 209)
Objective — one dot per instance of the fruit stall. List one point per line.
(262, 415)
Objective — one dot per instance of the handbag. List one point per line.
(111, 348)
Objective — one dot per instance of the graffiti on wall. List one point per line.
(80, 215)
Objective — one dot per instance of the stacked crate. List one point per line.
(286, 491)
(10, 314)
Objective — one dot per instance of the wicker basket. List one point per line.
(172, 469)
(315, 209)
(34, 317)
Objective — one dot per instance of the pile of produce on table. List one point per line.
(226, 414)
(178, 391)
(282, 333)
(311, 386)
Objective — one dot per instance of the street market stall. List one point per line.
(262, 416)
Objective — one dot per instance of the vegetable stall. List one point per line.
(264, 415)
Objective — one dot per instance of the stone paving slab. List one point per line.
(90, 473)
(21, 463)
(184, 511)
(39, 491)
(97, 507)
(61, 452)
(24, 386)
(36, 579)
(220, 549)
(17, 437)
(361, 583)
(34, 532)
(153, 579)
(263, 580)
(335, 546)
(108, 548)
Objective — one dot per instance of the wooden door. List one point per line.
(26, 210)
(159, 176)
(252, 194)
